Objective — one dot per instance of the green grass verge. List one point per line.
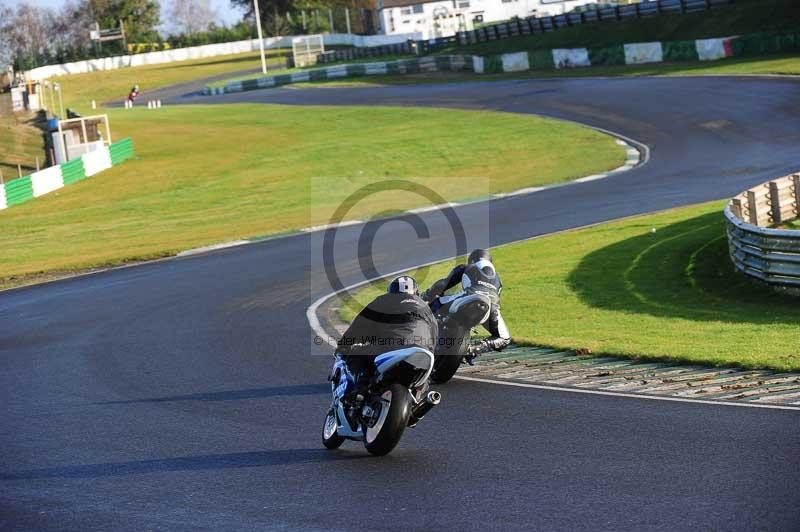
(80, 89)
(744, 16)
(206, 174)
(793, 224)
(620, 289)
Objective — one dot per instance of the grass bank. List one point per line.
(743, 16)
(206, 174)
(80, 89)
(621, 289)
(21, 140)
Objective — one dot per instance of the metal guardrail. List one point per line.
(525, 26)
(531, 25)
(757, 248)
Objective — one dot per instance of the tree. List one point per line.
(141, 17)
(25, 34)
(192, 16)
(273, 13)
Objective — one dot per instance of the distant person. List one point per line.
(133, 94)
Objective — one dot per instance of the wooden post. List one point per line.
(1, 177)
(37, 163)
(752, 207)
(796, 179)
(347, 18)
(775, 202)
(19, 170)
(330, 20)
(736, 207)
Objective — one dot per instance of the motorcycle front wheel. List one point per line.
(330, 437)
(391, 410)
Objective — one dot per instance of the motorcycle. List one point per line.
(397, 396)
(456, 321)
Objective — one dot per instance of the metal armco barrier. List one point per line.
(530, 25)
(757, 248)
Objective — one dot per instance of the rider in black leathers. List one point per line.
(395, 320)
(478, 275)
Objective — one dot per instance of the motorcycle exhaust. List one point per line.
(419, 410)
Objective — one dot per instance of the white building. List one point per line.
(442, 18)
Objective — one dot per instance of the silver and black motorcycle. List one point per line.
(397, 396)
(456, 321)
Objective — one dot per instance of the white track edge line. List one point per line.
(625, 394)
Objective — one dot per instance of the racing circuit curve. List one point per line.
(185, 394)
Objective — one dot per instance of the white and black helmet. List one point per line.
(403, 285)
(483, 261)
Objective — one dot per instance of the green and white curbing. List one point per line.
(622, 54)
(45, 181)
(378, 68)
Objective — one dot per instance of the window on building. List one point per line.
(405, 11)
(463, 3)
(418, 8)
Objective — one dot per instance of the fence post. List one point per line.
(682, 6)
(638, 12)
(736, 207)
(752, 207)
(775, 202)
(37, 164)
(19, 170)
(616, 12)
(347, 19)
(796, 179)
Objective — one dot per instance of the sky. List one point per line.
(227, 14)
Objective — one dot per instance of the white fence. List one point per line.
(207, 50)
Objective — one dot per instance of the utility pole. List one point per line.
(57, 87)
(260, 37)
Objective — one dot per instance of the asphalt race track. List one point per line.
(188, 394)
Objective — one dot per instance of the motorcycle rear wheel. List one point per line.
(389, 422)
(444, 367)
